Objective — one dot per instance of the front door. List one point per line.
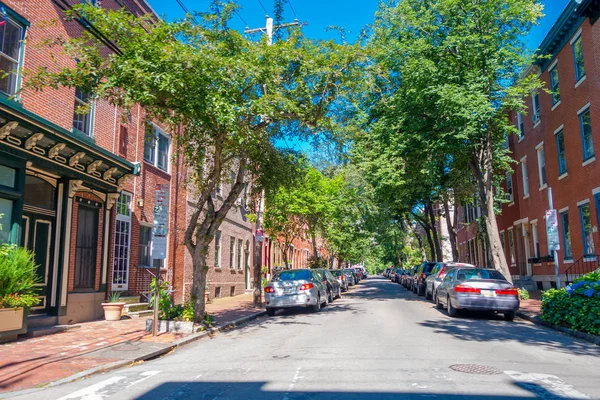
(86, 248)
(38, 236)
(520, 251)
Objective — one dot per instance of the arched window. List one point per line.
(39, 193)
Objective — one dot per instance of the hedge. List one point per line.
(576, 307)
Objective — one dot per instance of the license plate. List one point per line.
(488, 293)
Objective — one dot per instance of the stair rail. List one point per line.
(147, 294)
(582, 266)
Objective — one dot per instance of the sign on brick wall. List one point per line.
(161, 222)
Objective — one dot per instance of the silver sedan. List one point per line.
(295, 288)
(477, 289)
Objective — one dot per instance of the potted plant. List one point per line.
(113, 307)
(17, 289)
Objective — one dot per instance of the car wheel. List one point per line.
(453, 312)
(509, 316)
(420, 290)
(438, 303)
(317, 307)
(329, 297)
(427, 295)
(434, 297)
(339, 293)
(271, 311)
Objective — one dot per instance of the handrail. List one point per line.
(584, 265)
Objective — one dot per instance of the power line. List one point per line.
(183, 7)
(263, 7)
(243, 20)
(292, 7)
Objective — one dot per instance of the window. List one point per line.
(509, 187)
(144, 259)
(566, 232)
(535, 101)
(554, 86)
(586, 229)
(560, 150)
(536, 240)
(521, 126)
(585, 124)
(156, 147)
(578, 56)
(240, 243)
(231, 252)
(525, 177)
(82, 114)
(218, 249)
(6, 212)
(86, 247)
(502, 241)
(122, 242)
(541, 166)
(511, 247)
(123, 140)
(11, 42)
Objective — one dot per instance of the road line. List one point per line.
(543, 385)
(92, 392)
(146, 375)
(292, 384)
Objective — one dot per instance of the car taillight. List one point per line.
(269, 289)
(343, 278)
(422, 275)
(306, 286)
(442, 272)
(507, 292)
(466, 289)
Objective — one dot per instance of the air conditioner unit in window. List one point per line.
(536, 118)
(508, 196)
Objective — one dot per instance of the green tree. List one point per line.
(453, 73)
(224, 96)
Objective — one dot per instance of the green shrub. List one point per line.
(187, 313)
(523, 294)
(17, 277)
(590, 277)
(575, 311)
(166, 308)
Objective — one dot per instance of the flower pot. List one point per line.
(13, 322)
(112, 311)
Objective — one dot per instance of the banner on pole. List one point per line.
(552, 230)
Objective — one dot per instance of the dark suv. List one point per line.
(422, 273)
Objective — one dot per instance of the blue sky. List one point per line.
(352, 15)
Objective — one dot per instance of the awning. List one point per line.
(51, 147)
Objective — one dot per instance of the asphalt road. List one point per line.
(378, 342)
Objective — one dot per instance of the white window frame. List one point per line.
(541, 156)
(520, 126)
(217, 248)
(510, 191)
(126, 219)
(525, 174)
(511, 247)
(535, 238)
(536, 115)
(19, 61)
(154, 156)
(232, 245)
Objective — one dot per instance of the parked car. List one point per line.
(420, 275)
(433, 281)
(295, 288)
(411, 277)
(350, 276)
(334, 290)
(341, 278)
(396, 273)
(359, 273)
(386, 272)
(405, 279)
(477, 289)
(365, 272)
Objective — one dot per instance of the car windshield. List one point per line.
(336, 272)
(294, 275)
(478, 273)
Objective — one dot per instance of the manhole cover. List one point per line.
(475, 369)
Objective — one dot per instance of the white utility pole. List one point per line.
(258, 239)
(552, 234)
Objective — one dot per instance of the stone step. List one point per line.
(133, 307)
(49, 330)
(138, 314)
(129, 299)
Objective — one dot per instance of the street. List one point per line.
(378, 342)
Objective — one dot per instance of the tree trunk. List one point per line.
(451, 230)
(316, 253)
(436, 239)
(485, 188)
(430, 241)
(421, 247)
(258, 247)
(200, 270)
(284, 254)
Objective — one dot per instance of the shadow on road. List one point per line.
(256, 390)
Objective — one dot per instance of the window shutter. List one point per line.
(123, 141)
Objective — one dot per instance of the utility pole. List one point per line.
(258, 235)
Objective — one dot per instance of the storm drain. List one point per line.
(475, 369)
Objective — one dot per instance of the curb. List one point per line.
(534, 318)
(149, 356)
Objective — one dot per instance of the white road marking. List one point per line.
(146, 375)
(93, 392)
(292, 384)
(542, 384)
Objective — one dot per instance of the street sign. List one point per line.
(259, 235)
(552, 231)
(161, 222)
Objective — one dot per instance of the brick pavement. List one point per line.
(34, 362)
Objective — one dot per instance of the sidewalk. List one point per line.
(35, 362)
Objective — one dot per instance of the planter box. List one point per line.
(13, 322)
(171, 326)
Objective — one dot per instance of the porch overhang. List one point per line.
(71, 154)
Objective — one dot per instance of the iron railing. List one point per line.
(582, 266)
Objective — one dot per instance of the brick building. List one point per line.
(554, 153)
(79, 188)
